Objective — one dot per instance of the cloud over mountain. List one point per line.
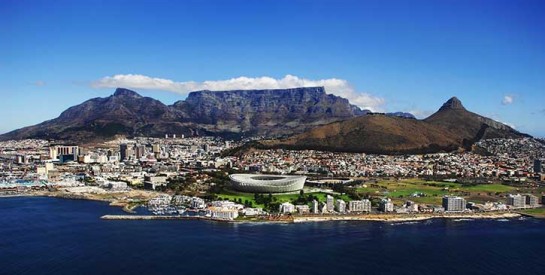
(507, 99)
(339, 87)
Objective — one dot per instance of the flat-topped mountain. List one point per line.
(265, 112)
(231, 113)
(451, 128)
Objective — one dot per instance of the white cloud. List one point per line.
(507, 99)
(339, 87)
(512, 125)
(497, 118)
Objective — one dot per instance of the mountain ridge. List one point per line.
(234, 113)
(308, 117)
(451, 128)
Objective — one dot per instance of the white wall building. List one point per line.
(359, 205)
(454, 204)
(223, 213)
(340, 206)
(315, 207)
(287, 208)
(386, 205)
(302, 209)
(330, 203)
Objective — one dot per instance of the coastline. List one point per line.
(304, 219)
(129, 209)
(121, 199)
(407, 217)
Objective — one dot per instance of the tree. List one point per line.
(273, 207)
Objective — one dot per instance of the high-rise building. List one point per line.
(359, 205)
(538, 165)
(287, 208)
(123, 148)
(531, 200)
(517, 201)
(140, 151)
(315, 206)
(323, 207)
(156, 148)
(330, 203)
(55, 152)
(340, 206)
(386, 205)
(453, 203)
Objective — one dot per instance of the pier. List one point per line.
(151, 217)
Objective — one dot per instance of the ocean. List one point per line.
(59, 236)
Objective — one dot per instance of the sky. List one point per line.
(386, 56)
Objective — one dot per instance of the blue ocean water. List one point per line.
(58, 236)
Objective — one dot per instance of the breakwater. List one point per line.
(152, 217)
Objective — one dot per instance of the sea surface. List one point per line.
(60, 236)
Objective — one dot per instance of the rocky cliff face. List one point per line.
(230, 113)
(264, 112)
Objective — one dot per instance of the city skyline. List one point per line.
(381, 56)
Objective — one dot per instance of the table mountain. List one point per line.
(265, 112)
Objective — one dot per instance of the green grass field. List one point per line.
(489, 188)
(235, 196)
(432, 191)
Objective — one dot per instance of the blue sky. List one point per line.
(386, 55)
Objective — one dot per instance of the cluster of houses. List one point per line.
(181, 204)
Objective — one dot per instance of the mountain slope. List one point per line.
(123, 113)
(227, 113)
(469, 127)
(450, 128)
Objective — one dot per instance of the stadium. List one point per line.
(256, 183)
